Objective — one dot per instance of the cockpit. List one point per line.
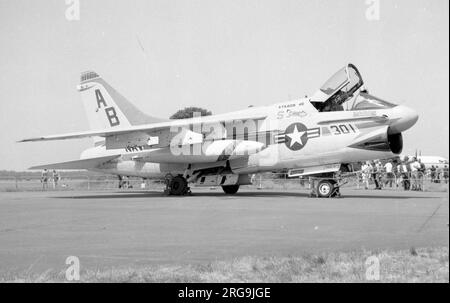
(343, 91)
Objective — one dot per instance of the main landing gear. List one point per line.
(230, 189)
(176, 186)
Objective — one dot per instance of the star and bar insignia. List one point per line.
(296, 136)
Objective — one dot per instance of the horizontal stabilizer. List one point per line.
(78, 164)
(78, 135)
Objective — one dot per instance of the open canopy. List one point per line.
(342, 92)
(340, 87)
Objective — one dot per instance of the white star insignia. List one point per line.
(296, 136)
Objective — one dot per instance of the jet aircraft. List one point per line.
(313, 136)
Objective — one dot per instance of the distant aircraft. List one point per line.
(319, 135)
(428, 161)
(436, 161)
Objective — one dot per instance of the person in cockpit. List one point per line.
(332, 106)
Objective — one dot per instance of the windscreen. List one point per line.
(367, 101)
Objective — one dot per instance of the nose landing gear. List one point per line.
(326, 188)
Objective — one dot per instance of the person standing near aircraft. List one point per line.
(446, 174)
(408, 163)
(376, 174)
(415, 167)
(44, 179)
(433, 173)
(123, 182)
(120, 181)
(389, 174)
(398, 173)
(359, 175)
(421, 175)
(380, 170)
(366, 170)
(55, 178)
(438, 175)
(413, 173)
(405, 174)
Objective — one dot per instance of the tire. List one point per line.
(230, 189)
(178, 186)
(325, 188)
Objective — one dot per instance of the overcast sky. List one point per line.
(220, 55)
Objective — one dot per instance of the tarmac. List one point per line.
(39, 230)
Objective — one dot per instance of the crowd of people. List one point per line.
(408, 173)
(46, 177)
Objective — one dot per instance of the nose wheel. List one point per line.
(325, 189)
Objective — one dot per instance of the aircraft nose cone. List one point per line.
(405, 118)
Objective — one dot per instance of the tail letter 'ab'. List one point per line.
(110, 111)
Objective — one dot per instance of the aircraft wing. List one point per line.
(147, 128)
(78, 164)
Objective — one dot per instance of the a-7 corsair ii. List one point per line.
(318, 135)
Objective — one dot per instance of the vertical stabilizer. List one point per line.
(107, 108)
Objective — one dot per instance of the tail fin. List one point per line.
(105, 107)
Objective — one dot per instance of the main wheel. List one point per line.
(178, 186)
(230, 189)
(325, 188)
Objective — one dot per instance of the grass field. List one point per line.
(414, 265)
